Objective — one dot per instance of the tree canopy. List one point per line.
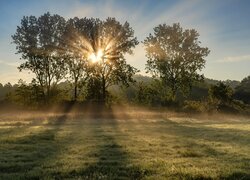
(221, 92)
(37, 39)
(175, 55)
(242, 91)
(105, 44)
(78, 49)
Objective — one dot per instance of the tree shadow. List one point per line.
(237, 175)
(25, 156)
(32, 156)
(205, 133)
(232, 176)
(111, 158)
(112, 163)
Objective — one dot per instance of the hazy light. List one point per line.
(95, 57)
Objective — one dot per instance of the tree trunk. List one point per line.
(48, 95)
(174, 91)
(75, 93)
(103, 89)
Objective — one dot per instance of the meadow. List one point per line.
(123, 143)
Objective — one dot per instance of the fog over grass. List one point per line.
(134, 143)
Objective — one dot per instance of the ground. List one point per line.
(123, 144)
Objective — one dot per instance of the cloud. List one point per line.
(232, 59)
(188, 13)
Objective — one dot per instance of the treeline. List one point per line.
(90, 53)
(206, 96)
(83, 60)
(84, 51)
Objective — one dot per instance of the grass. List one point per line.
(123, 144)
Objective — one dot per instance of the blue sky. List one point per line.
(224, 27)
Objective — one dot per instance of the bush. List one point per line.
(194, 106)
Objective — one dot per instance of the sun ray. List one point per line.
(96, 57)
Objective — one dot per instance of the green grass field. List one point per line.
(123, 144)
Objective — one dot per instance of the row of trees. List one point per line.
(91, 53)
(209, 95)
(55, 49)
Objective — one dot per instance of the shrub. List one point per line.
(194, 106)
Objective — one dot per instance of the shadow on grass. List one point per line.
(197, 142)
(233, 176)
(23, 157)
(29, 156)
(237, 175)
(112, 163)
(206, 133)
(111, 158)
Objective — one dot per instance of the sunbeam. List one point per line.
(96, 57)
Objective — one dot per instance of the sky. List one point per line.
(223, 25)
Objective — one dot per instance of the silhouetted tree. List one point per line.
(37, 39)
(75, 57)
(175, 55)
(221, 92)
(94, 89)
(242, 92)
(5, 89)
(108, 41)
(147, 94)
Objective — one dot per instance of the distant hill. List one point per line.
(142, 78)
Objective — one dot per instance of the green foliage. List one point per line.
(194, 106)
(54, 49)
(199, 91)
(94, 90)
(147, 95)
(6, 90)
(37, 40)
(223, 93)
(84, 37)
(77, 63)
(29, 95)
(242, 91)
(115, 39)
(175, 56)
(221, 98)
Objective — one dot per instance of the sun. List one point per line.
(96, 57)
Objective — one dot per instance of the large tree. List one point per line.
(104, 44)
(175, 55)
(73, 49)
(37, 40)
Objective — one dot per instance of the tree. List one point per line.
(37, 39)
(147, 94)
(104, 44)
(94, 89)
(8, 86)
(244, 84)
(71, 44)
(175, 55)
(242, 91)
(221, 92)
